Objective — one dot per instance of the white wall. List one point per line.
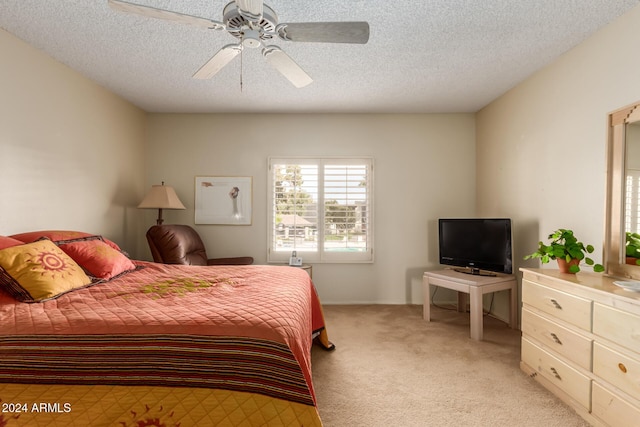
(71, 153)
(424, 169)
(541, 146)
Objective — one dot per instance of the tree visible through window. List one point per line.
(321, 208)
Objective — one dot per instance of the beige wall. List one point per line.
(71, 152)
(73, 157)
(424, 169)
(541, 146)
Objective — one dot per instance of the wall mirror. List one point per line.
(622, 213)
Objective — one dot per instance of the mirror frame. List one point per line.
(614, 233)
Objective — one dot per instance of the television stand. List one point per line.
(475, 286)
(475, 272)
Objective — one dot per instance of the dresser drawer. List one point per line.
(616, 368)
(567, 343)
(618, 326)
(572, 382)
(570, 308)
(611, 409)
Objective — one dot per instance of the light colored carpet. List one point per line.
(391, 368)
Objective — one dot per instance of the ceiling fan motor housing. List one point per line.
(240, 27)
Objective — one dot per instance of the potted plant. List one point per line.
(567, 250)
(632, 248)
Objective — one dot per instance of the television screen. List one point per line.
(476, 243)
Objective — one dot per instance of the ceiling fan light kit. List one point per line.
(254, 23)
(251, 39)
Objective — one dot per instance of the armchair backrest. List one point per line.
(176, 244)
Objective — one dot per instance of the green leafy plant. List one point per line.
(564, 245)
(632, 246)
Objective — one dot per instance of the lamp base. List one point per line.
(159, 221)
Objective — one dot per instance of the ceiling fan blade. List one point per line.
(250, 9)
(218, 61)
(152, 12)
(325, 32)
(286, 66)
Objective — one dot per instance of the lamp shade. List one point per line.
(161, 197)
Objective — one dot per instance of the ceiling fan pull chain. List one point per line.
(241, 68)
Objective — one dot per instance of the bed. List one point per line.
(146, 344)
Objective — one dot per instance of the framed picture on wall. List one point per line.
(223, 200)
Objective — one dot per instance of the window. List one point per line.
(321, 208)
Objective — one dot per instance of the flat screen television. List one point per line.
(476, 244)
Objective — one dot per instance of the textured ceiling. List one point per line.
(422, 56)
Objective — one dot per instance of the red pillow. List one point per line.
(7, 242)
(98, 258)
(58, 235)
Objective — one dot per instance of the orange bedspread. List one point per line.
(237, 328)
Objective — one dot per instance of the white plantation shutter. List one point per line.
(632, 199)
(346, 209)
(321, 208)
(295, 212)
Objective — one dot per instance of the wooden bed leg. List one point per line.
(323, 340)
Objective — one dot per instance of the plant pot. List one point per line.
(631, 260)
(564, 266)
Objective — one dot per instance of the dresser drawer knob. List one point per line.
(555, 338)
(555, 373)
(622, 367)
(556, 304)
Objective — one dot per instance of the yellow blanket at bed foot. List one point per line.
(123, 406)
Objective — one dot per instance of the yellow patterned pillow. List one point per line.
(39, 271)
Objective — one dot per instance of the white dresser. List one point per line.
(581, 340)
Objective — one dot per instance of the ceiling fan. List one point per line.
(255, 24)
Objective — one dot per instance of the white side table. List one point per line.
(475, 286)
(306, 267)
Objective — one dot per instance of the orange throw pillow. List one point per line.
(59, 235)
(98, 258)
(7, 242)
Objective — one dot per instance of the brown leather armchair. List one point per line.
(181, 244)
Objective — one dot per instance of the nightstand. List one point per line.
(306, 267)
